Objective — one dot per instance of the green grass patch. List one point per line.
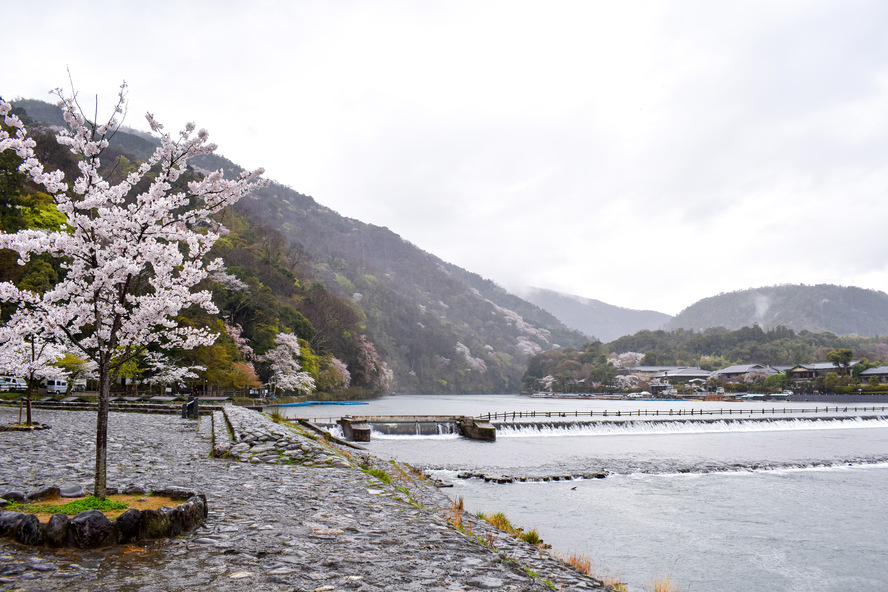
(77, 506)
(380, 474)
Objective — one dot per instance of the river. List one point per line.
(784, 504)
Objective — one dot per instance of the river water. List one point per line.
(728, 505)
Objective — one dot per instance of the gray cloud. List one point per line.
(646, 154)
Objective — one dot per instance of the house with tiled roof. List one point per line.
(810, 372)
(880, 373)
(738, 372)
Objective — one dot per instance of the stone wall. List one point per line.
(254, 438)
(91, 528)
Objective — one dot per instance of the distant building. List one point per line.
(680, 375)
(880, 373)
(739, 372)
(809, 372)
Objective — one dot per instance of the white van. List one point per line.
(55, 386)
(9, 384)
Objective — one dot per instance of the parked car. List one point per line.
(11, 384)
(55, 386)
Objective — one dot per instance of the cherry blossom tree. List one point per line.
(340, 367)
(25, 353)
(132, 252)
(286, 371)
(160, 369)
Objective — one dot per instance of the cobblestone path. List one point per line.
(323, 523)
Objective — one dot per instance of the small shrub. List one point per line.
(500, 521)
(584, 564)
(661, 585)
(532, 537)
(454, 516)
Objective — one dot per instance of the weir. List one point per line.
(684, 425)
(359, 428)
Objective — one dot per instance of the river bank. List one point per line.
(318, 524)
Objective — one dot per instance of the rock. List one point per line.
(42, 493)
(14, 496)
(181, 518)
(221, 449)
(90, 529)
(133, 489)
(154, 525)
(28, 531)
(485, 582)
(128, 525)
(9, 521)
(38, 565)
(55, 532)
(72, 491)
(201, 511)
(177, 494)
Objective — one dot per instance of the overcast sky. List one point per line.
(647, 154)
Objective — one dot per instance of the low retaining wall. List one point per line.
(91, 528)
(249, 436)
(168, 408)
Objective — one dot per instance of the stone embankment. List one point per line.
(287, 511)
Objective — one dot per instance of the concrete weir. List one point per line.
(476, 429)
(357, 429)
(354, 429)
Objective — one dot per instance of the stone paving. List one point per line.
(288, 512)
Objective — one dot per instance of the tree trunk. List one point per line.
(29, 406)
(33, 385)
(101, 490)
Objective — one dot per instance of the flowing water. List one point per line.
(728, 504)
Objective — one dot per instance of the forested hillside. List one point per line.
(441, 329)
(836, 309)
(398, 317)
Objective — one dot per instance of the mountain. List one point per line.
(594, 318)
(824, 307)
(350, 288)
(442, 329)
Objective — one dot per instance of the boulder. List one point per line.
(200, 508)
(28, 531)
(128, 525)
(72, 491)
(154, 524)
(13, 496)
(42, 493)
(177, 494)
(55, 532)
(181, 518)
(90, 529)
(9, 521)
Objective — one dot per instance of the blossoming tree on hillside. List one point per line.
(286, 371)
(132, 252)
